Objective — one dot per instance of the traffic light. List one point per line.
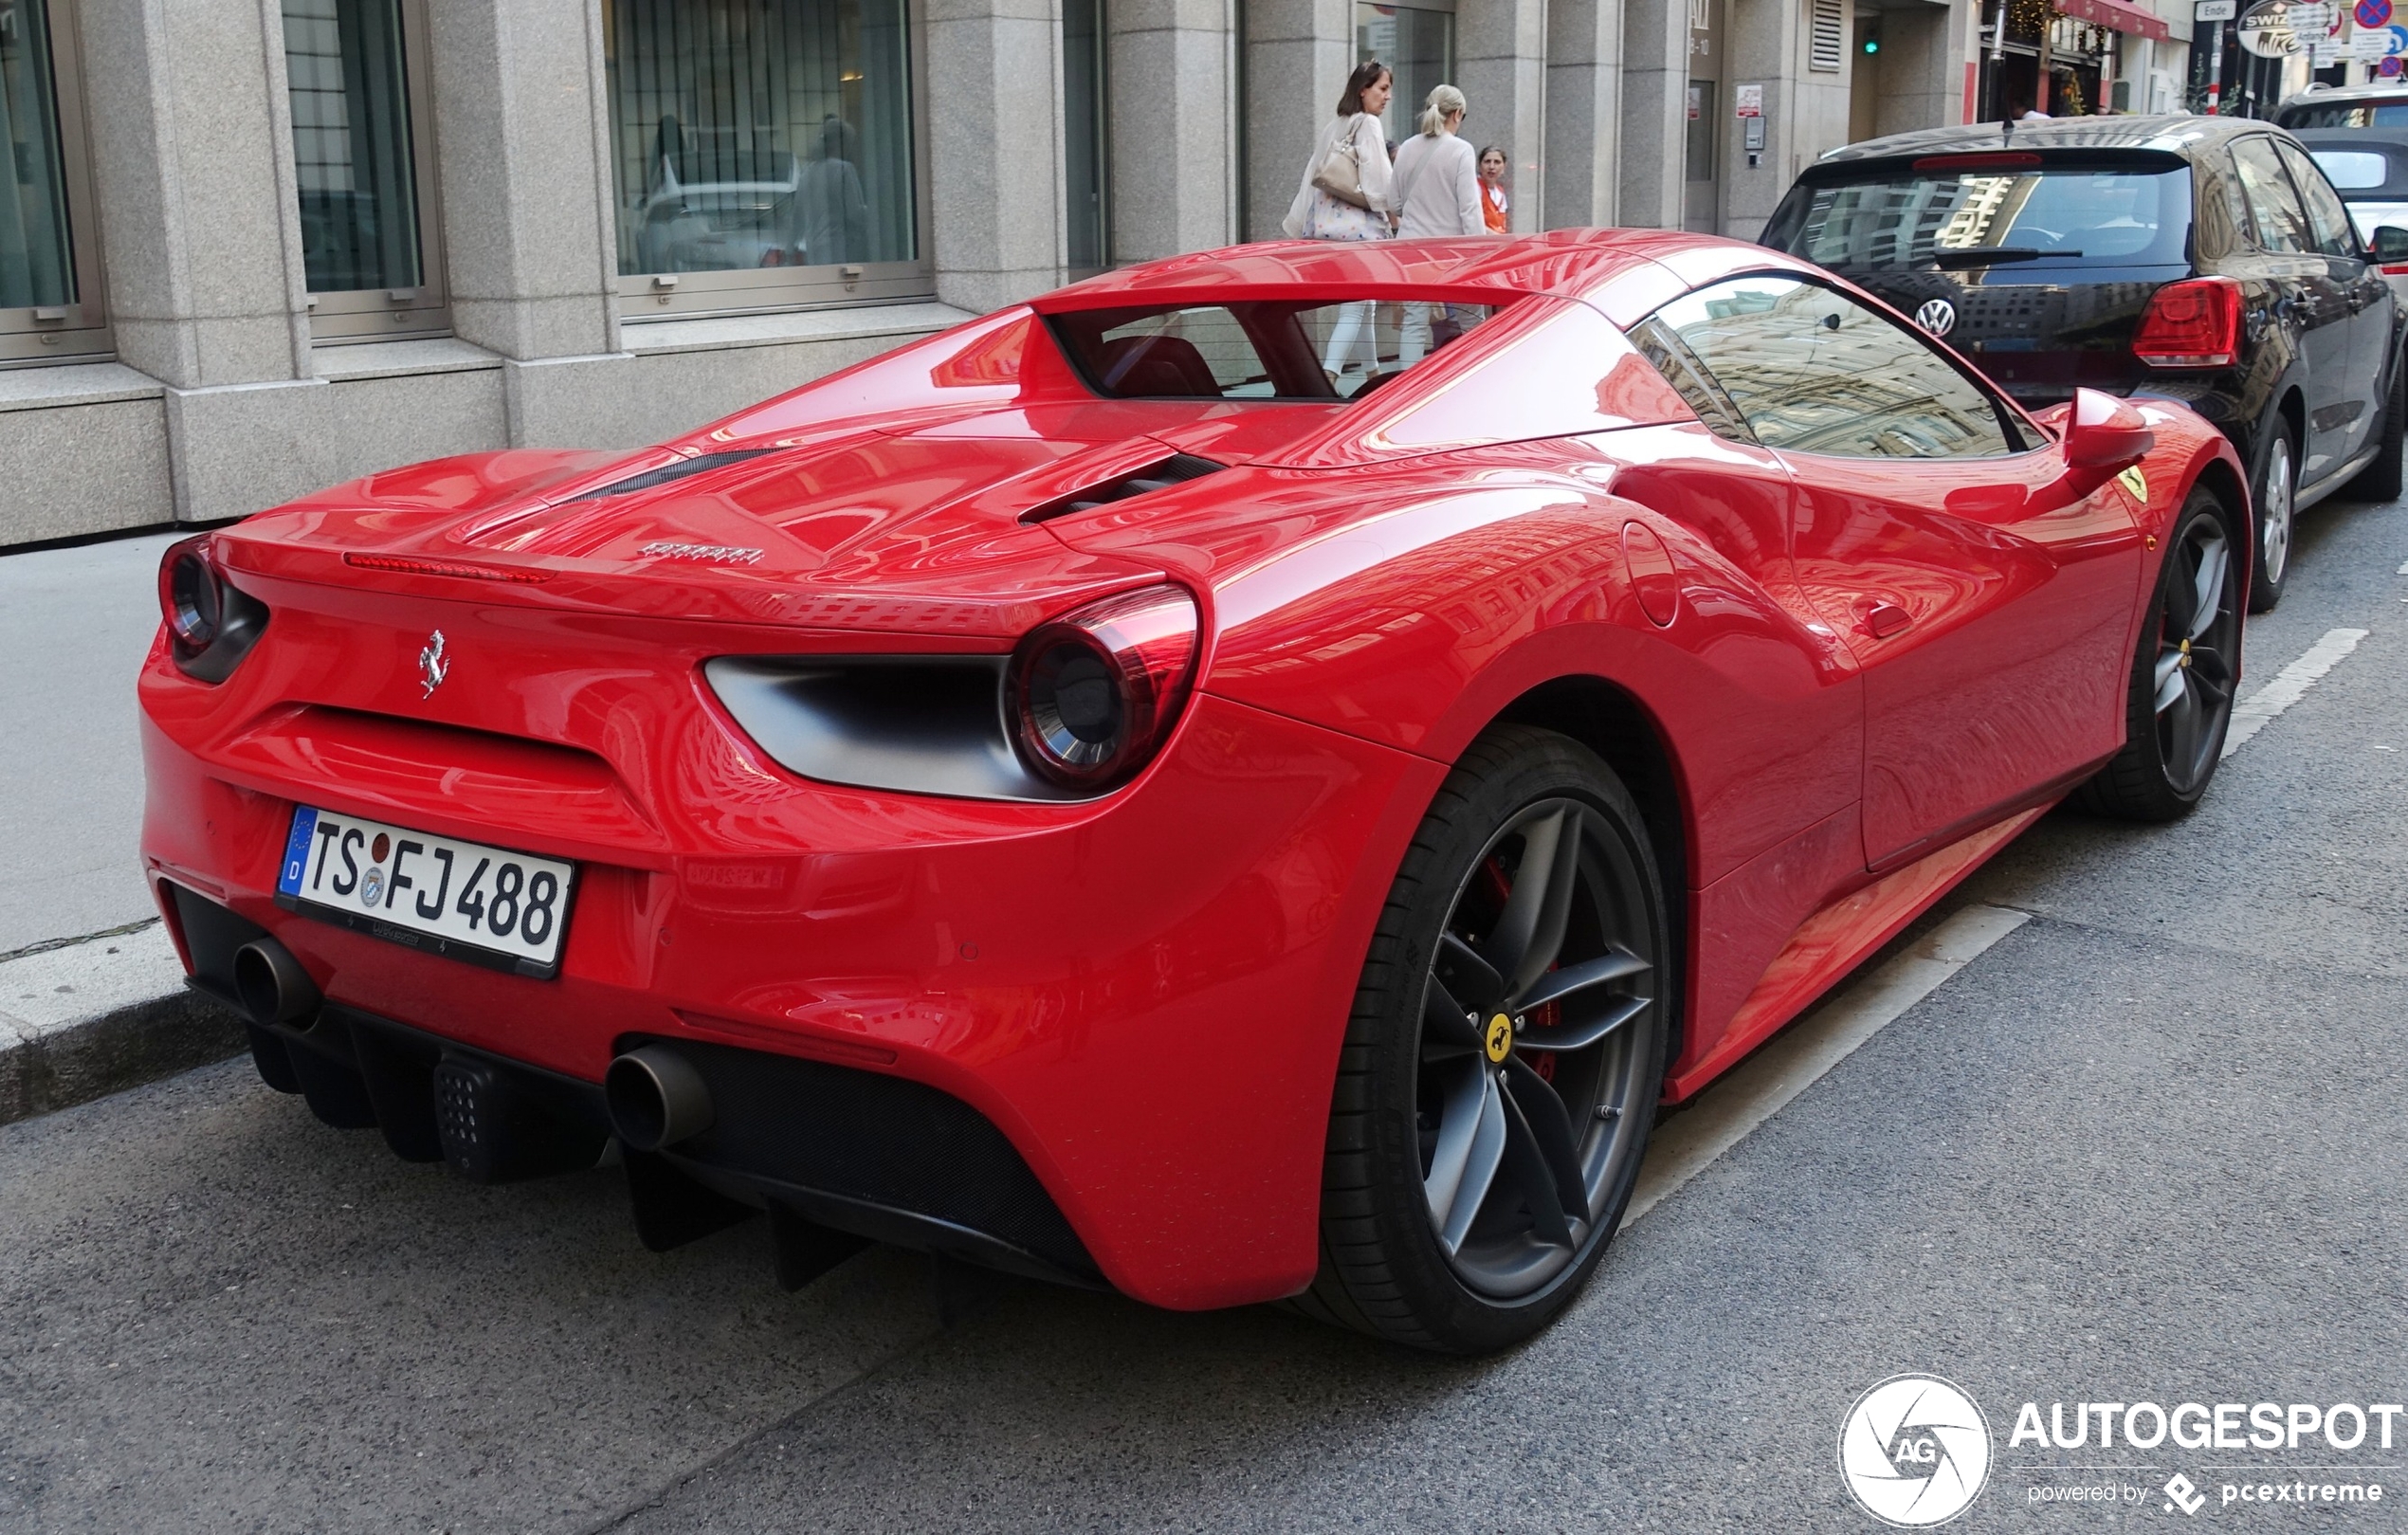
(1872, 42)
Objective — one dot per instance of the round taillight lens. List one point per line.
(189, 595)
(1094, 693)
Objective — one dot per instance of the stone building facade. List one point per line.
(257, 247)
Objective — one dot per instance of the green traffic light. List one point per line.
(1873, 45)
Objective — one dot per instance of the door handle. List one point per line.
(1883, 619)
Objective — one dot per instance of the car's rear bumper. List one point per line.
(1142, 999)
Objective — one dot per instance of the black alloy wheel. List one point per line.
(1506, 1055)
(2184, 677)
(2385, 478)
(2277, 490)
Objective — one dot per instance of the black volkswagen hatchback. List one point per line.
(2204, 260)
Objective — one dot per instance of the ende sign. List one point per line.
(2278, 28)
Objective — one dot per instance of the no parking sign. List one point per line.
(2372, 13)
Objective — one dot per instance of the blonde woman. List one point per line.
(1438, 196)
(1319, 214)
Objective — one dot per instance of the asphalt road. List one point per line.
(2147, 1147)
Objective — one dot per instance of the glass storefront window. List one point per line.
(1418, 45)
(768, 140)
(37, 261)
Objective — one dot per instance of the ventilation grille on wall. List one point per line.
(1826, 42)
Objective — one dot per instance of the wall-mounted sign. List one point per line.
(2277, 29)
(1749, 101)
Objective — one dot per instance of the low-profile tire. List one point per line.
(2184, 672)
(1505, 1058)
(2383, 479)
(2276, 497)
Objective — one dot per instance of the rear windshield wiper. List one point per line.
(1991, 255)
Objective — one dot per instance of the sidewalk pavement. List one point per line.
(92, 999)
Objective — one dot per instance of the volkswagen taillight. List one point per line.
(2195, 323)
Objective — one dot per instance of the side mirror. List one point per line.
(2389, 246)
(2103, 436)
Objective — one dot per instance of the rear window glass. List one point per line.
(2045, 216)
(2348, 114)
(1263, 351)
(2353, 170)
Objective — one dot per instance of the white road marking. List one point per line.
(1753, 1093)
(2252, 713)
(2401, 571)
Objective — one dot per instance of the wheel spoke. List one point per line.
(2182, 597)
(1467, 977)
(1526, 1172)
(1447, 1030)
(1551, 1122)
(2183, 749)
(1556, 984)
(2169, 679)
(2209, 589)
(1530, 934)
(1581, 1033)
(1484, 1148)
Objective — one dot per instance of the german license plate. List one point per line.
(462, 900)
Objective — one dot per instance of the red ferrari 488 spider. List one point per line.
(1168, 786)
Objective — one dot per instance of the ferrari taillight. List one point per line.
(2195, 323)
(211, 623)
(189, 595)
(1093, 694)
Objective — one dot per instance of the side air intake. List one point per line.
(1176, 469)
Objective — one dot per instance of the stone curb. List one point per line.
(84, 1019)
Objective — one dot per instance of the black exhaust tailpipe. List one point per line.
(656, 1098)
(273, 986)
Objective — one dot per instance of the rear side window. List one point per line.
(2277, 217)
(2352, 170)
(1980, 214)
(2325, 214)
(1811, 371)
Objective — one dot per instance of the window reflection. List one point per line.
(37, 265)
(759, 134)
(351, 145)
(1811, 371)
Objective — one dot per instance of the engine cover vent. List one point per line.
(1176, 469)
(673, 471)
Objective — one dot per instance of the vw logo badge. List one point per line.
(1937, 316)
(433, 666)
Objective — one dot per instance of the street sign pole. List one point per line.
(2215, 69)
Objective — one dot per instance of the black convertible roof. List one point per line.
(2180, 135)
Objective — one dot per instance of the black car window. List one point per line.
(2326, 213)
(1956, 209)
(1813, 371)
(2392, 114)
(2277, 216)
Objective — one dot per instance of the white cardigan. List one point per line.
(1371, 159)
(1438, 187)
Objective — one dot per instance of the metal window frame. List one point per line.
(648, 296)
(348, 315)
(78, 332)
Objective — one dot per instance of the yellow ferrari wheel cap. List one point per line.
(1500, 1040)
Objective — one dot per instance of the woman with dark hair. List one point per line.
(1347, 194)
(1492, 190)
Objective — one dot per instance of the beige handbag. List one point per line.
(1339, 174)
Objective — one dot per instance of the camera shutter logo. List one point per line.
(1937, 316)
(1914, 1450)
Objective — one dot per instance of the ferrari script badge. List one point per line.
(1937, 316)
(1500, 1041)
(433, 666)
